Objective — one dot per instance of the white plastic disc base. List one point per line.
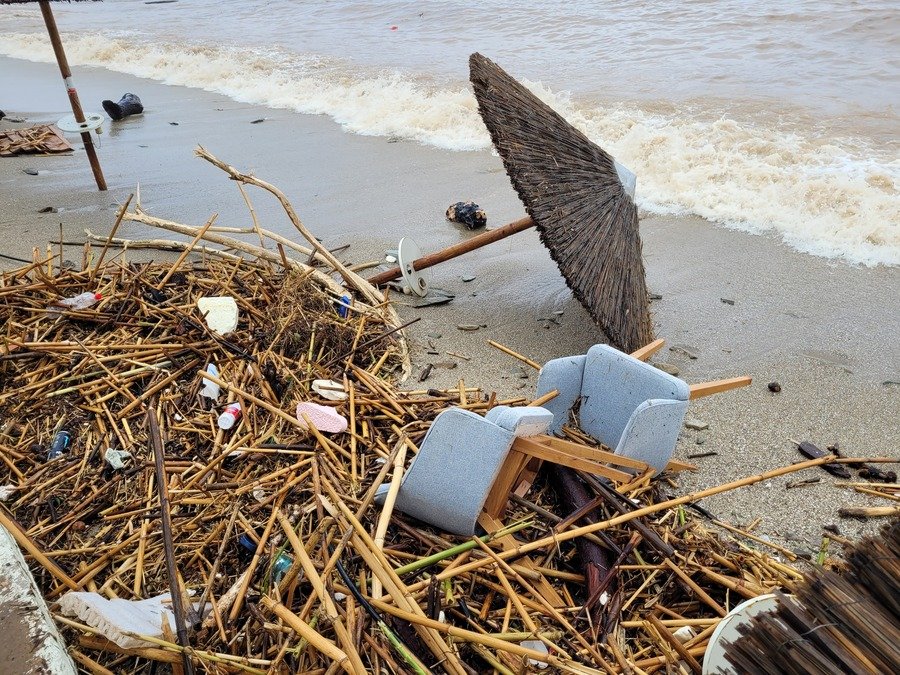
(91, 121)
(407, 252)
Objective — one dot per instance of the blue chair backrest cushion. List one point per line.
(614, 384)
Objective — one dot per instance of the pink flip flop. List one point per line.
(322, 417)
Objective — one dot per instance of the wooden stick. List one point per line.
(515, 355)
(649, 350)
(354, 660)
(119, 216)
(184, 254)
(166, 521)
(675, 644)
(706, 388)
(653, 508)
(308, 633)
(388, 508)
(459, 249)
(699, 592)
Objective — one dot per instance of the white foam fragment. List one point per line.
(115, 619)
(221, 313)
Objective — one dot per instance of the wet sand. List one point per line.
(824, 330)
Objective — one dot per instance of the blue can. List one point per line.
(59, 446)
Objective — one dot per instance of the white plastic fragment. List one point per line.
(221, 313)
(330, 390)
(537, 646)
(210, 388)
(115, 618)
(116, 458)
(7, 491)
(684, 634)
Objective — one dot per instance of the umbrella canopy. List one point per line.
(573, 193)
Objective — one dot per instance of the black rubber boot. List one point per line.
(129, 104)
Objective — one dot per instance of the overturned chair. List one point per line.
(468, 465)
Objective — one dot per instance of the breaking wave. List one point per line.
(825, 196)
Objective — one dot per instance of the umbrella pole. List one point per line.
(457, 250)
(73, 95)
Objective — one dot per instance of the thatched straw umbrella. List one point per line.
(574, 194)
(572, 191)
(67, 78)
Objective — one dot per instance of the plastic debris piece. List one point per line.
(229, 416)
(329, 389)
(114, 619)
(210, 388)
(538, 646)
(78, 302)
(322, 417)
(7, 491)
(60, 444)
(221, 313)
(343, 307)
(115, 458)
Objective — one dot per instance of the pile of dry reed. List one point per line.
(272, 527)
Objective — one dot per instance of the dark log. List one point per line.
(595, 564)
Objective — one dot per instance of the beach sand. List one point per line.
(824, 330)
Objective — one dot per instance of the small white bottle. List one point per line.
(230, 415)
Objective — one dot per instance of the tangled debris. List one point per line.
(277, 559)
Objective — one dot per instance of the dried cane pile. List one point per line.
(299, 597)
(267, 534)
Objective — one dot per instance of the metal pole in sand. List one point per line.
(73, 95)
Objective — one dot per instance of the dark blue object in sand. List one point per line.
(467, 213)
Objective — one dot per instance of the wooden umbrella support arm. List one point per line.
(457, 250)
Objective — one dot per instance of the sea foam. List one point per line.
(829, 197)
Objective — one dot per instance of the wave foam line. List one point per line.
(824, 198)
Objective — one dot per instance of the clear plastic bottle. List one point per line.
(80, 301)
(230, 415)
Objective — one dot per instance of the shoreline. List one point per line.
(822, 329)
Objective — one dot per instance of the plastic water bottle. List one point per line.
(59, 446)
(230, 415)
(281, 566)
(210, 388)
(80, 301)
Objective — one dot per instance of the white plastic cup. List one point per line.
(230, 415)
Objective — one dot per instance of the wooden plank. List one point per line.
(589, 453)
(551, 454)
(597, 455)
(702, 389)
(495, 504)
(649, 350)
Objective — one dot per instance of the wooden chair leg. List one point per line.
(495, 504)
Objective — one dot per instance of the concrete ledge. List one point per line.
(30, 644)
